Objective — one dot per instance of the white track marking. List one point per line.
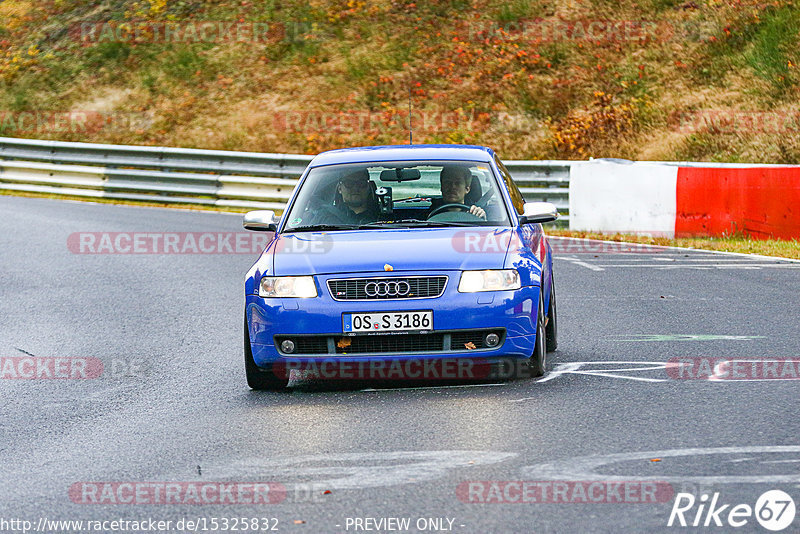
(669, 260)
(576, 261)
(584, 467)
(685, 249)
(718, 266)
(681, 337)
(354, 470)
(578, 368)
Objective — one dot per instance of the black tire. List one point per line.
(551, 330)
(538, 361)
(258, 378)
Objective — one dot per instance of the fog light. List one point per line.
(287, 346)
(492, 340)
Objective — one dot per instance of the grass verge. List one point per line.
(742, 244)
(100, 200)
(716, 80)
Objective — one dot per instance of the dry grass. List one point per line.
(191, 207)
(360, 57)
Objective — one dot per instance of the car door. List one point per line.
(531, 253)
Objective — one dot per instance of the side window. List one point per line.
(513, 190)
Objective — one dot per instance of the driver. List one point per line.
(455, 183)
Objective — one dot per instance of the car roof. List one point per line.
(404, 153)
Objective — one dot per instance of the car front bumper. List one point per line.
(456, 316)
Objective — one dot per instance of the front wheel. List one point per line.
(258, 378)
(538, 361)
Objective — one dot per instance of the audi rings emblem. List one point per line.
(387, 289)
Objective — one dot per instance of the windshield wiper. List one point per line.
(322, 227)
(413, 222)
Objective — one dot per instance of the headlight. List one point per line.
(499, 280)
(287, 287)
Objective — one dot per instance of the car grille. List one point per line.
(440, 342)
(409, 287)
(392, 343)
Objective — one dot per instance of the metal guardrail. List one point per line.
(193, 176)
(544, 181)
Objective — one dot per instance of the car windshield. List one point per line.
(398, 194)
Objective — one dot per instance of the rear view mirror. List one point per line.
(260, 221)
(400, 175)
(538, 212)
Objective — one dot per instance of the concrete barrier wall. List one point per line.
(663, 199)
(629, 198)
(760, 202)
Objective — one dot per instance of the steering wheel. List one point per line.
(462, 207)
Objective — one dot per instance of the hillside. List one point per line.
(657, 79)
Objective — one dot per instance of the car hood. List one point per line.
(403, 249)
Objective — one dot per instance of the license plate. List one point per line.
(387, 321)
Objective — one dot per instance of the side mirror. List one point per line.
(538, 212)
(260, 221)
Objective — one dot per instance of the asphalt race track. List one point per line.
(172, 407)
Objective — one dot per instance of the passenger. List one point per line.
(354, 202)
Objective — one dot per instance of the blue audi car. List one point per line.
(401, 262)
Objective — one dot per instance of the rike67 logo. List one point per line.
(774, 510)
